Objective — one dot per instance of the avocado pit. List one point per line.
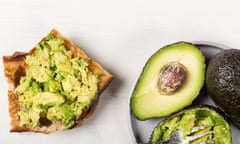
(171, 77)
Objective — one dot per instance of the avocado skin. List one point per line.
(223, 82)
(206, 107)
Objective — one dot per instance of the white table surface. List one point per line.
(120, 35)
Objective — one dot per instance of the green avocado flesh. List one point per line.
(223, 82)
(148, 102)
(57, 86)
(195, 117)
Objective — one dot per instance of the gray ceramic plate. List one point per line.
(141, 130)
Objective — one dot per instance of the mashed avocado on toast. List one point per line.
(57, 86)
(54, 86)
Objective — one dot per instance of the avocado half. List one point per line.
(207, 116)
(223, 82)
(147, 101)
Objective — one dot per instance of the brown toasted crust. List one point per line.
(15, 67)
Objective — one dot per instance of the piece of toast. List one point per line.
(15, 67)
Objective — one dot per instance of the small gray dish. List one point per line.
(141, 130)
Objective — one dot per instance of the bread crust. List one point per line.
(15, 67)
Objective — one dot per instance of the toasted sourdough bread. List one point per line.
(15, 67)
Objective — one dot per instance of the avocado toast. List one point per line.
(55, 86)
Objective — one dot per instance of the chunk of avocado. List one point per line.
(223, 82)
(170, 80)
(207, 117)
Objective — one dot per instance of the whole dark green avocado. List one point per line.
(223, 82)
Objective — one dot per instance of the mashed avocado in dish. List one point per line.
(57, 86)
(186, 120)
